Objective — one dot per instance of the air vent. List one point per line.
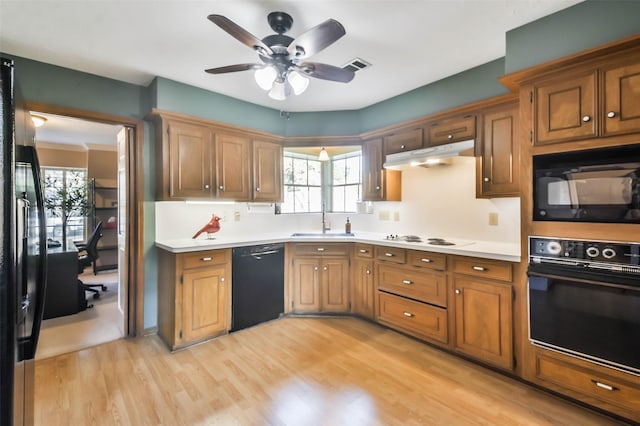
(356, 64)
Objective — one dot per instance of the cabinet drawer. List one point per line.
(404, 141)
(575, 378)
(412, 317)
(426, 286)
(425, 259)
(320, 249)
(452, 130)
(364, 251)
(495, 270)
(391, 254)
(201, 259)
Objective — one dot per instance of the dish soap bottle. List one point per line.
(347, 227)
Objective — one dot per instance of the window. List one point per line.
(309, 182)
(65, 200)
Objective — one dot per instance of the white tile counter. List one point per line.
(484, 249)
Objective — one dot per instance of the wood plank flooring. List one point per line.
(292, 371)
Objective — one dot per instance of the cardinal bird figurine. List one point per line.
(210, 228)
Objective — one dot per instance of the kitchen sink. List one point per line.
(322, 235)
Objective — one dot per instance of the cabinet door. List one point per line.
(204, 303)
(190, 163)
(621, 100)
(267, 171)
(566, 109)
(378, 184)
(452, 130)
(335, 285)
(363, 289)
(500, 169)
(232, 167)
(403, 141)
(484, 327)
(306, 285)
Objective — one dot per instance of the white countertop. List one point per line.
(483, 249)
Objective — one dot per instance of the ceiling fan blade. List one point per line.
(326, 72)
(317, 38)
(240, 34)
(233, 68)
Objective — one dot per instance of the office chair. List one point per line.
(87, 254)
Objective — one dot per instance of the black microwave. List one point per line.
(596, 185)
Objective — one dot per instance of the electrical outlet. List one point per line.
(493, 219)
(383, 215)
(236, 216)
(396, 216)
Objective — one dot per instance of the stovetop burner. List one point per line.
(407, 238)
(439, 242)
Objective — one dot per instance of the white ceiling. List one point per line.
(409, 43)
(72, 131)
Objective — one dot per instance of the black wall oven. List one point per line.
(584, 300)
(598, 185)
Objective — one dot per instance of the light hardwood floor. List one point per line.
(291, 371)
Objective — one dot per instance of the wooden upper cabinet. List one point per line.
(499, 164)
(451, 130)
(189, 161)
(566, 109)
(407, 140)
(621, 103)
(232, 167)
(267, 171)
(378, 184)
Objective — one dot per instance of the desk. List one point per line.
(62, 296)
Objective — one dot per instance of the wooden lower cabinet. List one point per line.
(412, 317)
(193, 296)
(363, 289)
(484, 324)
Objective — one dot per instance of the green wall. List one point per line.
(574, 29)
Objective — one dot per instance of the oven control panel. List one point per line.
(584, 250)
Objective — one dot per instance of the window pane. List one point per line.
(351, 196)
(338, 199)
(315, 173)
(353, 170)
(315, 199)
(301, 199)
(288, 170)
(287, 206)
(339, 172)
(299, 171)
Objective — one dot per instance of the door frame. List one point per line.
(134, 317)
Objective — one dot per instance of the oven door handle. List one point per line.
(584, 275)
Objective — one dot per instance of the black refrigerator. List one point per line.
(22, 256)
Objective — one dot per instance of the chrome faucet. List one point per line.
(326, 226)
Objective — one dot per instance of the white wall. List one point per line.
(437, 202)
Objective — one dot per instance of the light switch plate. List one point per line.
(493, 219)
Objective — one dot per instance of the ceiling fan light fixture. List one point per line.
(265, 77)
(278, 91)
(298, 82)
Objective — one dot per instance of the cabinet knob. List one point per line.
(368, 272)
(486, 179)
(407, 314)
(586, 118)
(206, 186)
(315, 268)
(611, 114)
(402, 146)
(221, 187)
(325, 268)
(222, 279)
(458, 291)
(377, 187)
(257, 189)
(449, 136)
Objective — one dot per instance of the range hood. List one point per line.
(428, 156)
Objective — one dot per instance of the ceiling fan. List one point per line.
(284, 67)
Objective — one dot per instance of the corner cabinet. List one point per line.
(483, 296)
(378, 184)
(200, 160)
(193, 296)
(498, 166)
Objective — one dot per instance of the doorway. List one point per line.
(124, 215)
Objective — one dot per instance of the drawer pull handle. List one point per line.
(206, 259)
(407, 282)
(364, 251)
(479, 268)
(320, 249)
(408, 314)
(604, 385)
(389, 254)
(425, 260)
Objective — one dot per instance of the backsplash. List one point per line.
(437, 202)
